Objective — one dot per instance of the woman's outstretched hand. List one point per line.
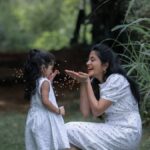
(79, 76)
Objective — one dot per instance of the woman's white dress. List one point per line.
(122, 128)
(45, 130)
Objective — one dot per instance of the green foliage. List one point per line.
(9, 27)
(145, 144)
(137, 9)
(137, 49)
(52, 40)
(137, 58)
(27, 24)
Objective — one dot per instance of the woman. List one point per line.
(106, 89)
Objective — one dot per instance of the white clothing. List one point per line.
(45, 130)
(122, 129)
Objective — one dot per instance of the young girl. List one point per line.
(45, 128)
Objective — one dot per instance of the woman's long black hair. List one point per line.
(32, 69)
(106, 55)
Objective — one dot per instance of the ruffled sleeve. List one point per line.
(41, 80)
(114, 88)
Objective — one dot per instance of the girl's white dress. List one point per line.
(122, 129)
(45, 130)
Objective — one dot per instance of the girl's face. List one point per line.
(47, 71)
(95, 67)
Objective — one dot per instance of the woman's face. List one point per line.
(95, 67)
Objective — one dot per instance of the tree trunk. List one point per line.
(106, 15)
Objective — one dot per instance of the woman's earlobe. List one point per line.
(106, 65)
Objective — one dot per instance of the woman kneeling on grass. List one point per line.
(106, 88)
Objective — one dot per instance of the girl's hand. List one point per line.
(62, 110)
(79, 76)
(52, 76)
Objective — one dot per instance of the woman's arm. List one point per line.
(84, 102)
(45, 88)
(98, 107)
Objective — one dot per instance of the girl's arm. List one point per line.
(45, 88)
(52, 76)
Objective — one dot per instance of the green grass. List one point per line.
(12, 130)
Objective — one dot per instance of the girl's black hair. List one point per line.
(32, 69)
(106, 55)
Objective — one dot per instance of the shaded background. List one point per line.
(66, 28)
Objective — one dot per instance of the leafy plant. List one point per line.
(27, 24)
(136, 59)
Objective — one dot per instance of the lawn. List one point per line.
(12, 130)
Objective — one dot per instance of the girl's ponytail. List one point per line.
(31, 72)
